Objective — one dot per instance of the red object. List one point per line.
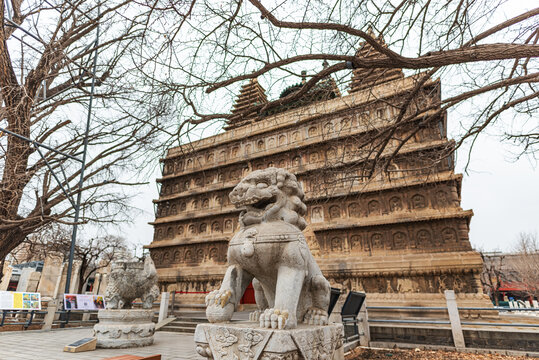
(249, 295)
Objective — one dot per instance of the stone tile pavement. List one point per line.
(41, 345)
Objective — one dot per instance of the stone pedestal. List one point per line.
(124, 328)
(247, 341)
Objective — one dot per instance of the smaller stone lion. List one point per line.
(129, 281)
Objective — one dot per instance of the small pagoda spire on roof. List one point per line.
(363, 78)
(250, 94)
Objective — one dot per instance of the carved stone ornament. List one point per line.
(124, 328)
(270, 250)
(240, 341)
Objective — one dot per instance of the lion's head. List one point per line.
(269, 195)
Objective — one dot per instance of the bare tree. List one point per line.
(47, 50)
(526, 262)
(55, 240)
(493, 274)
(490, 63)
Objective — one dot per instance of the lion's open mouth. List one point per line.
(255, 204)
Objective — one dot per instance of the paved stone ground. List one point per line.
(41, 345)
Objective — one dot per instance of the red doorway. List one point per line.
(248, 295)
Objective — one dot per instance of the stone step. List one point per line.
(183, 323)
(179, 329)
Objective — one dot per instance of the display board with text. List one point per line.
(12, 300)
(83, 302)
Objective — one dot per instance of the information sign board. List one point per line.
(83, 302)
(12, 300)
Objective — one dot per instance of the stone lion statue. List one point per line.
(129, 281)
(270, 250)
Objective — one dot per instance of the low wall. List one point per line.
(482, 338)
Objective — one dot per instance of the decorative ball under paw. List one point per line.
(216, 313)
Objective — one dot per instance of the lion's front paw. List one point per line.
(218, 297)
(315, 316)
(274, 319)
(255, 315)
(218, 306)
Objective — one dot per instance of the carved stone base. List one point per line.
(124, 328)
(246, 341)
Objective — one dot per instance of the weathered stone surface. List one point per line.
(245, 341)
(52, 270)
(403, 231)
(131, 280)
(270, 250)
(124, 328)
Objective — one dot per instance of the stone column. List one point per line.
(52, 271)
(52, 306)
(163, 306)
(6, 278)
(23, 279)
(454, 318)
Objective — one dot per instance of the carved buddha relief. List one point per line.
(374, 208)
(222, 155)
(192, 229)
(377, 240)
(170, 233)
(354, 210)
(336, 244)
(271, 143)
(395, 204)
(260, 145)
(200, 255)
(441, 199)
(202, 228)
(215, 227)
(296, 161)
(334, 212)
(328, 128)
(355, 242)
(179, 230)
(214, 254)
(418, 201)
(235, 151)
(400, 240)
(317, 215)
(295, 136)
(314, 157)
(331, 153)
(449, 235)
(313, 131)
(282, 140)
(228, 225)
(424, 238)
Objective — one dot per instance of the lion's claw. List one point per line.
(315, 316)
(218, 297)
(255, 315)
(273, 319)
